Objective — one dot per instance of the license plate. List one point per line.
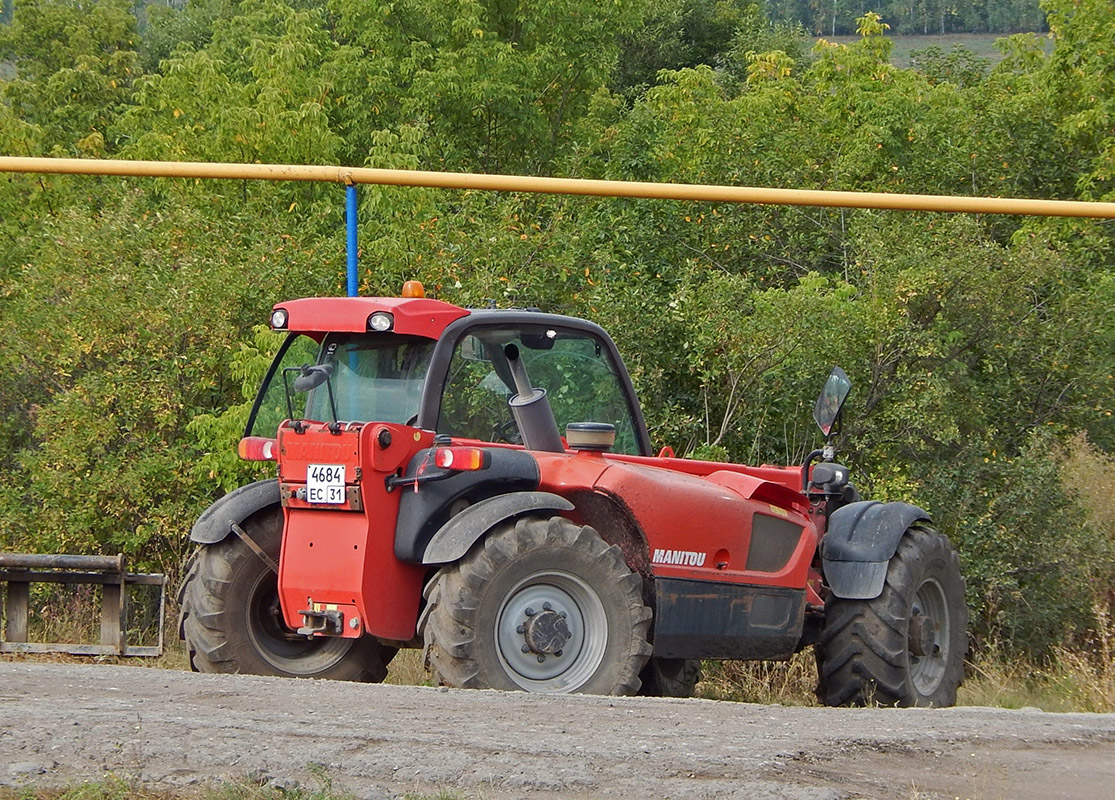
(325, 483)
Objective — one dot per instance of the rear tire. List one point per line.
(232, 623)
(670, 677)
(907, 646)
(538, 605)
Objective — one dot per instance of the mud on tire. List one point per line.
(907, 646)
(231, 620)
(541, 605)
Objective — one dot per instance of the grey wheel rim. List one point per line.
(566, 608)
(930, 608)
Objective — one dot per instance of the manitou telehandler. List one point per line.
(481, 484)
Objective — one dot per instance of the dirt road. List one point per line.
(64, 723)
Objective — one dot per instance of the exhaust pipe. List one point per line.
(531, 409)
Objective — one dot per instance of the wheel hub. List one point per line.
(922, 635)
(929, 637)
(546, 632)
(551, 632)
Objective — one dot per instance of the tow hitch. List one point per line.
(325, 621)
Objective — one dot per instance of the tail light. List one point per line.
(462, 458)
(257, 448)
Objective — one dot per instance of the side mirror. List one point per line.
(827, 410)
(312, 377)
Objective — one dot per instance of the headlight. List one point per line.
(380, 322)
(279, 319)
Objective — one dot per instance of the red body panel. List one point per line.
(415, 316)
(341, 559)
(790, 477)
(697, 527)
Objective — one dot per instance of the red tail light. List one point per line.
(462, 458)
(258, 448)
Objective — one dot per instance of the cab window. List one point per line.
(574, 368)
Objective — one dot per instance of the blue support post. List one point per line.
(350, 222)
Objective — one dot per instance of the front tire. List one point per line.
(232, 623)
(907, 646)
(542, 606)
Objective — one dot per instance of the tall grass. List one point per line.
(1070, 680)
(788, 683)
(407, 669)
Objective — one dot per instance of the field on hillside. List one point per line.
(982, 44)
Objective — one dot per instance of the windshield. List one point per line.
(376, 377)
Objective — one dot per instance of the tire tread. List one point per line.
(862, 653)
(451, 622)
(209, 595)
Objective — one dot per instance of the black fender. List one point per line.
(860, 541)
(462, 531)
(215, 522)
(424, 512)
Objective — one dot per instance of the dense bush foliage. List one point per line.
(982, 349)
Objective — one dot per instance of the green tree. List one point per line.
(76, 64)
(180, 25)
(1080, 73)
(682, 33)
(498, 86)
(117, 329)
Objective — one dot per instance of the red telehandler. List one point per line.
(481, 484)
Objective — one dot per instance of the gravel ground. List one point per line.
(66, 723)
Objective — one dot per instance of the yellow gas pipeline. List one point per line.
(575, 186)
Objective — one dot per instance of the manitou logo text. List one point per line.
(682, 557)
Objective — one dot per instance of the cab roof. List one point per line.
(418, 316)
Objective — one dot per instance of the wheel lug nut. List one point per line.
(558, 653)
(530, 611)
(526, 648)
(547, 607)
(562, 614)
(521, 629)
(541, 658)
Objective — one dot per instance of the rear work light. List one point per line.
(257, 448)
(462, 458)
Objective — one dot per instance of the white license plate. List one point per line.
(325, 483)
